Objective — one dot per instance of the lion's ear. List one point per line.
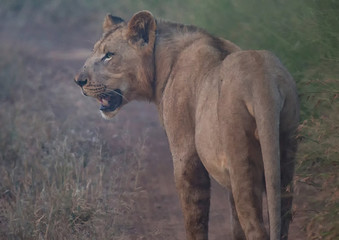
(141, 30)
(110, 21)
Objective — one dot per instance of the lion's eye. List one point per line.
(107, 56)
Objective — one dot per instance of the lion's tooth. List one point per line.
(104, 101)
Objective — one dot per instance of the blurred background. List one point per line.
(65, 173)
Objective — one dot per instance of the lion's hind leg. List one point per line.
(246, 176)
(288, 148)
(237, 232)
(289, 121)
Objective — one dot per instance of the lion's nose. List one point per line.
(81, 80)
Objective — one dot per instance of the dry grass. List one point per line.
(57, 180)
(318, 162)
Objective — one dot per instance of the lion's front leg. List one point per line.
(193, 186)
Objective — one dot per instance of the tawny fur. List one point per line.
(228, 113)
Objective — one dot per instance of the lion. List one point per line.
(228, 113)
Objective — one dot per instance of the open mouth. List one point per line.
(110, 101)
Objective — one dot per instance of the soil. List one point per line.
(157, 208)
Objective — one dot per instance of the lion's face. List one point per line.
(120, 68)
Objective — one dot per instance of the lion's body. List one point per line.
(228, 113)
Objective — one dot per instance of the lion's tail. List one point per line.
(267, 114)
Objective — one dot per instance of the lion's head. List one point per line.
(121, 66)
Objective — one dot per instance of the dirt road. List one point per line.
(157, 209)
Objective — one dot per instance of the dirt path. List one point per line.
(157, 208)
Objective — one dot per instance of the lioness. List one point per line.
(228, 113)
